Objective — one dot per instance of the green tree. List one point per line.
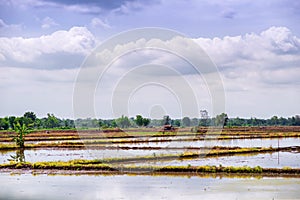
(11, 121)
(21, 131)
(274, 120)
(221, 120)
(4, 123)
(113, 123)
(123, 122)
(297, 120)
(186, 121)
(29, 117)
(139, 120)
(146, 121)
(52, 121)
(177, 122)
(237, 122)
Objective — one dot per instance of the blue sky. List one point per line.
(255, 45)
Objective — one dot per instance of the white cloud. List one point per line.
(260, 71)
(77, 40)
(97, 22)
(251, 55)
(48, 22)
(281, 39)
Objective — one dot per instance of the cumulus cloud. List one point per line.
(76, 41)
(254, 67)
(260, 72)
(251, 55)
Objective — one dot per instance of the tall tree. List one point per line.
(52, 121)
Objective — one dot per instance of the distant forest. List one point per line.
(53, 122)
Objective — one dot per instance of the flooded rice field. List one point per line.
(114, 150)
(42, 183)
(261, 142)
(39, 155)
(28, 186)
(264, 160)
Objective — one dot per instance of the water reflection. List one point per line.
(44, 187)
(19, 157)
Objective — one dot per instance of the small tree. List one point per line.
(139, 120)
(21, 131)
(146, 121)
(123, 122)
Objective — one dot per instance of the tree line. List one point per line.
(30, 119)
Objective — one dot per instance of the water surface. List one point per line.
(27, 186)
(267, 142)
(265, 160)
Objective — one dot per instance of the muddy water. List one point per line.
(27, 186)
(265, 160)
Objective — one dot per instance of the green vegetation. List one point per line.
(21, 131)
(53, 122)
(140, 121)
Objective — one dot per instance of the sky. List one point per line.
(254, 45)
